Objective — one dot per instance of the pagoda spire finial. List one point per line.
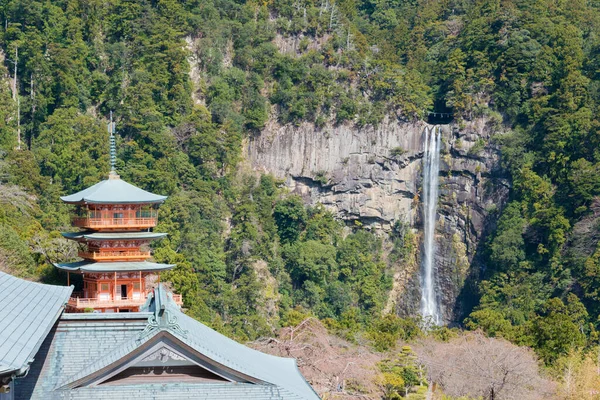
(113, 149)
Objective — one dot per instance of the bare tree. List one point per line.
(579, 376)
(481, 367)
(183, 132)
(334, 367)
(54, 249)
(15, 93)
(12, 195)
(152, 281)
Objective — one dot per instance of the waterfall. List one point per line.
(431, 159)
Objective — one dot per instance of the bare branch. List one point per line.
(477, 366)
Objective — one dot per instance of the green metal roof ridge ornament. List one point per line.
(162, 319)
(165, 322)
(113, 149)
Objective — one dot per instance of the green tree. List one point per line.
(560, 327)
(290, 217)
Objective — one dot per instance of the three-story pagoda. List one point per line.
(116, 218)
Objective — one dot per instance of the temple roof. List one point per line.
(87, 355)
(113, 191)
(113, 235)
(116, 266)
(28, 310)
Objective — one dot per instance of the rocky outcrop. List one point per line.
(373, 174)
(363, 174)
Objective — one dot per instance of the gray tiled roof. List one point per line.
(70, 346)
(279, 371)
(28, 310)
(113, 191)
(86, 344)
(118, 266)
(173, 391)
(113, 235)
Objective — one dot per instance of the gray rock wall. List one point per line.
(349, 170)
(374, 175)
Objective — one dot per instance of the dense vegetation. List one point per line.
(247, 254)
(250, 257)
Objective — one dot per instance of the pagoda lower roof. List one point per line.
(117, 266)
(113, 235)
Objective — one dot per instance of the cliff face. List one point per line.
(374, 175)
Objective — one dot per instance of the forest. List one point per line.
(253, 258)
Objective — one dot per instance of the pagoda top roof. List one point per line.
(113, 235)
(113, 190)
(117, 266)
(28, 312)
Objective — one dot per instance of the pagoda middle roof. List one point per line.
(116, 266)
(113, 191)
(113, 235)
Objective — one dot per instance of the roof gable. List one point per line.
(282, 372)
(164, 374)
(162, 351)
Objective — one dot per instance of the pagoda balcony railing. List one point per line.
(85, 222)
(114, 255)
(82, 303)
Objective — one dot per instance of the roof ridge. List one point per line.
(268, 377)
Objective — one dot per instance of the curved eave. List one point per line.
(113, 236)
(113, 191)
(125, 266)
(88, 201)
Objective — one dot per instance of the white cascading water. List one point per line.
(431, 159)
